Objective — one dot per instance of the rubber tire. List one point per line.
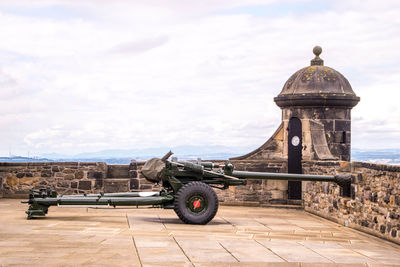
(185, 193)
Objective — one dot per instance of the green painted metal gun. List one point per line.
(187, 187)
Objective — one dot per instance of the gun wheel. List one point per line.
(196, 203)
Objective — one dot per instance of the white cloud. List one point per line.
(129, 74)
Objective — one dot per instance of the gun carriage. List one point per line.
(187, 187)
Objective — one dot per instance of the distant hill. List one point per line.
(187, 151)
(383, 156)
(24, 159)
(124, 156)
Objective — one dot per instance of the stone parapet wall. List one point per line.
(125, 178)
(17, 179)
(257, 192)
(374, 202)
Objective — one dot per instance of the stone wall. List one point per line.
(19, 178)
(256, 192)
(326, 131)
(16, 179)
(374, 202)
(125, 178)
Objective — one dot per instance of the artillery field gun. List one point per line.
(187, 188)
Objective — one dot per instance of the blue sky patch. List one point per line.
(58, 12)
(279, 8)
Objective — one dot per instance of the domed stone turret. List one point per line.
(320, 98)
(316, 105)
(317, 101)
(317, 85)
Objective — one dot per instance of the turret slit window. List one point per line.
(343, 137)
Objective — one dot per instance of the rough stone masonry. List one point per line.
(72, 177)
(373, 205)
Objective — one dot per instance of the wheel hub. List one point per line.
(196, 204)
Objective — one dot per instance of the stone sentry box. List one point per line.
(321, 99)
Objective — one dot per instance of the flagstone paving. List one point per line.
(238, 236)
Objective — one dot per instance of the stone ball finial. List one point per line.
(317, 50)
(317, 61)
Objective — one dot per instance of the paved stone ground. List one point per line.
(238, 236)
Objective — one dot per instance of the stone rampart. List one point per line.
(16, 179)
(373, 204)
(257, 192)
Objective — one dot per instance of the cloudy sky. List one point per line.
(88, 75)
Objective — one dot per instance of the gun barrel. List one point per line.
(283, 176)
